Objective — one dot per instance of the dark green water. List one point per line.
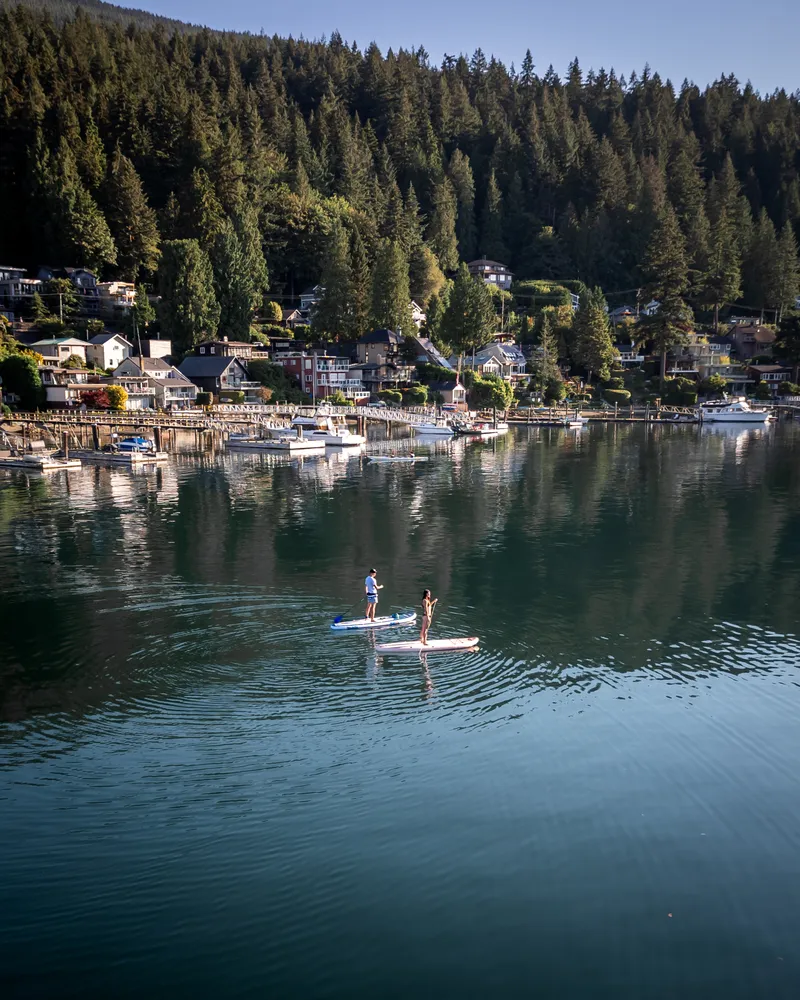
(206, 793)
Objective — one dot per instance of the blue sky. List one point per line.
(698, 39)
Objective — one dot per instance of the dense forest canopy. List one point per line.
(293, 158)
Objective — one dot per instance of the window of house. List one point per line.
(202, 350)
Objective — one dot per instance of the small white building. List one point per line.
(171, 388)
(116, 297)
(108, 350)
(56, 350)
(418, 317)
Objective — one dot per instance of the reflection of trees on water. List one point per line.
(547, 537)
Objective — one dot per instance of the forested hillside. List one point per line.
(118, 138)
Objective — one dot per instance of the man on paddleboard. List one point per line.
(427, 615)
(371, 588)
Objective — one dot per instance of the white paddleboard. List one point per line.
(434, 646)
(383, 622)
(398, 458)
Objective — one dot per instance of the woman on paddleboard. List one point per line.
(427, 615)
(371, 587)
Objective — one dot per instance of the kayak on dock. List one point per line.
(384, 622)
(433, 646)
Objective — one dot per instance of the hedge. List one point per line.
(619, 396)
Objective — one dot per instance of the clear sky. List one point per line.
(698, 39)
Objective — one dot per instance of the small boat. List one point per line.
(331, 430)
(409, 459)
(140, 445)
(289, 444)
(433, 646)
(386, 621)
(730, 411)
(433, 429)
(575, 423)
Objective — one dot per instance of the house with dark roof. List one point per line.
(505, 360)
(309, 298)
(751, 339)
(291, 318)
(215, 374)
(171, 388)
(83, 280)
(428, 353)
(225, 348)
(492, 272)
(450, 393)
(379, 347)
(772, 375)
(108, 350)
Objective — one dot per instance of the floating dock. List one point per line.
(39, 463)
(287, 445)
(128, 459)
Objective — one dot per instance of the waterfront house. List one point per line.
(155, 348)
(56, 350)
(322, 374)
(215, 374)
(751, 339)
(63, 386)
(225, 349)
(171, 388)
(772, 375)
(492, 272)
(452, 393)
(379, 347)
(107, 350)
(505, 360)
(142, 391)
(391, 375)
(628, 355)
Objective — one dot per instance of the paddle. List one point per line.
(338, 618)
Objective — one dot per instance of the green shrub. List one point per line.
(763, 391)
(789, 389)
(204, 399)
(338, 398)
(391, 396)
(619, 396)
(555, 391)
(417, 395)
(231, 396)
(273, 311)
(614, 383)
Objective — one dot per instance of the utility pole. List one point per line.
(60, 307)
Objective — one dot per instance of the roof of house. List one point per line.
(290, 313)
(225, 343)
(51, 341)
(207, 366)
(103, 338)
(444, 386)
(380, 337)
(491, 263)
(433, 352)
(312, 290)
(762, 334)
(765, 369)
(148, 364)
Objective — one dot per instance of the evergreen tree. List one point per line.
(442, 228)
(88, 232)
(38, 308)
(721, 279)
(492, 245)
(245, 222)
(360, 288)
(131, 220)
(233, 285)
(203, 217)
(331, 316)
(544, 367)
(425, 276)
(188, 310)
(667, 271)
(469, 320)
(788, 283)
(143, 312)
(460, 174)
(591, 331)
(762, 266)
(391, 299)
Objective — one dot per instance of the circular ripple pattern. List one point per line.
(203, 789)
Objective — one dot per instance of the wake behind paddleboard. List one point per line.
(433, 646)
(385, 622)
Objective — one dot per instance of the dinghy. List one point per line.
(433, 646)
(384, 622)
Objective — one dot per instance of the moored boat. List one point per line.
(732, 411)
(330, 430)
(432, 428)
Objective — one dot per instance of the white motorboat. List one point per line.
(733, 411)
(433, 429)
(330, 430)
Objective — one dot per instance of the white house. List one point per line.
(171, 388)
(108, 350)
(309, 298)
(116, 297)
(56, 350)
(505, 360)
(63, 386)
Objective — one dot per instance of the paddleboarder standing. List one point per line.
(371, 588)
(427, 615)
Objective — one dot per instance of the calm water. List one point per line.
(204, 792)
